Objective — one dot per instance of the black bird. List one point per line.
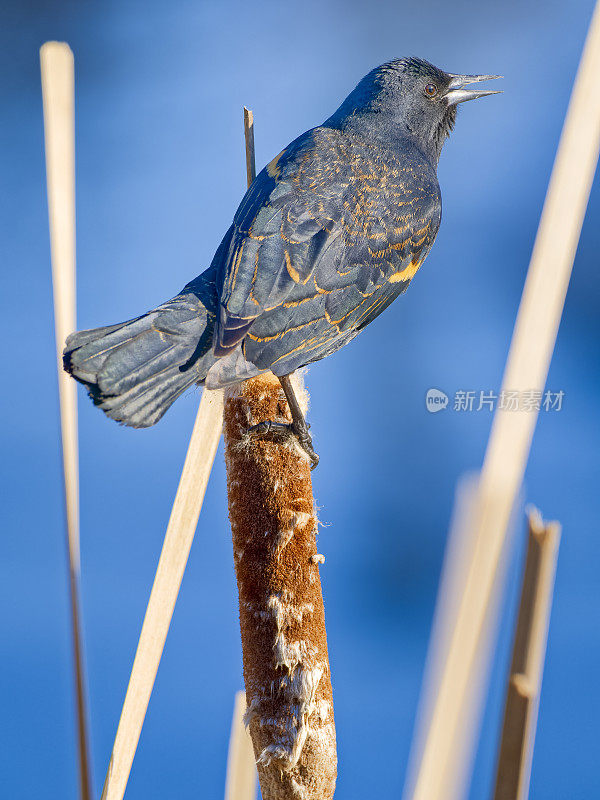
(331, 231)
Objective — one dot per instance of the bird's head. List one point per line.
(409, 97)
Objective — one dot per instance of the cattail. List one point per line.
(286, 666)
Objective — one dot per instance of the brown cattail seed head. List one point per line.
(286, 666)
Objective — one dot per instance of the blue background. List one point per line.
(160, 170)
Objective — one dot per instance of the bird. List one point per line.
(328, 234)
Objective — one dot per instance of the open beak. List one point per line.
(457, 94)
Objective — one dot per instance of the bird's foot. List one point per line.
(282, 432)
(305, 441)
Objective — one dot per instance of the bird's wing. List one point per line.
(391, 217)
(390, 214)
(326, 237)
(278, 234)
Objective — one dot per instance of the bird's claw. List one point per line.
(305, 440)
(281, 432)
(271, 431)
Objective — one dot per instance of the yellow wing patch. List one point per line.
(407, 273)
(273, 168)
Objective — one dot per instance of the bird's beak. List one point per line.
(457, 94)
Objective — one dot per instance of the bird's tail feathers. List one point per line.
(135, 371)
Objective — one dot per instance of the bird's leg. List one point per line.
(280, 431)
(299, 424)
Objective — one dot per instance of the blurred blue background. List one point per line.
(160, 170)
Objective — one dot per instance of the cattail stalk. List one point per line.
(510, 439)
(58, 92)
(240, 783)
(163, 596)
(286, 666)
(282, 620)
(463, 553)
(527, 666)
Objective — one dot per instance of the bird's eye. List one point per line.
(431, 90)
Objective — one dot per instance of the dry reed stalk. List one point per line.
(171, 566)
(510, 439)
(241, 767)
(249, 141)
(286, 667)
(527, 666)
(58, 92)
(461, 549)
